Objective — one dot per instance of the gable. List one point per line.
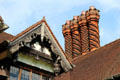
(42, 30)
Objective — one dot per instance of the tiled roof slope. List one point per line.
(5, 36)
(100, 64)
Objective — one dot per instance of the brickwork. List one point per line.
(75, 37)
(68, 39)
(83, 33)
(92, 19)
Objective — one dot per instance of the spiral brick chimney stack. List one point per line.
(82, 33)
(68, 39)
(76, 48)
(93, 30)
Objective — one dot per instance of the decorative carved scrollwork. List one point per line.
(57, 66)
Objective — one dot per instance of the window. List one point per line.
(45, 78)
(14, 72)
(25, 75)
(35, 76)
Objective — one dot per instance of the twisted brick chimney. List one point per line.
(68, 38)
(76, 45)
(93, 31)
(82, 33)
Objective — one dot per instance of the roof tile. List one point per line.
(100, 64)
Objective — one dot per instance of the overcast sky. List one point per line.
(20, 14)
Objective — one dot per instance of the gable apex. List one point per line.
(40, 28)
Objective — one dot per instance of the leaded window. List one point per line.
(35, 76)
(45, 78)
(14, 72)
(25, 75)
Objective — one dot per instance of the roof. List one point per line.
(100, 64)
(5, 36)
(4, 43)
(58, 47)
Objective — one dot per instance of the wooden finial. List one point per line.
(68, 22)
(75, 17)
(92, 7)
(43, 18)
(83, 12)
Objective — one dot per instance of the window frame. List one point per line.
(31, 72)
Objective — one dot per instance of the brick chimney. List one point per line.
(93, 30)
(76, 45)
(68, 38)
(84, 32)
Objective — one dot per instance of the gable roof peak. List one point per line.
(43, 18)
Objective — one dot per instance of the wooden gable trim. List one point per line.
(67, 63)
(57, 43)
(27, 30)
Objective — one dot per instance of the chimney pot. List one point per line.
(92, 7)
(75, 17)
(63, 25)
(83, 13)
(68, 22)
(43, 17)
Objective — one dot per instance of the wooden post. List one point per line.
(30, 75)
(20, 73)
(40, 77)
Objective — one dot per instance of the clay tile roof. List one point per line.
(100, 64)
(5, 36)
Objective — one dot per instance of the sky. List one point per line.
(20, 14)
